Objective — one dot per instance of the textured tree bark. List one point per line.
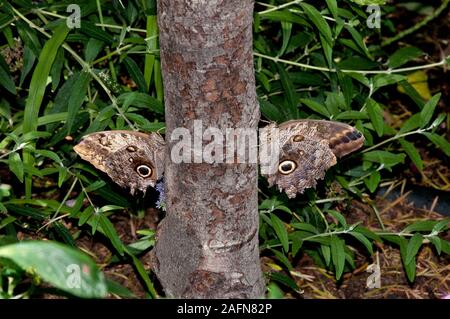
(207, 245)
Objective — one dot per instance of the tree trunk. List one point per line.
(207, 245)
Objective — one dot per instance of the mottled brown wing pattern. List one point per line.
(133, 160)
(308, 148)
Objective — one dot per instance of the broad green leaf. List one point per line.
(383, 157)
(281, 231)
(332, 6)
(376, 116)
(141, 100)
(274, 292)
(352, 115)
(76, 99)
(93, 31)
(423, 225)
(135, 73)
(318, 21)
(110, 232)
(286, 28)
(326, 253)
(283, 279)
(413, 247)
(306, 227)
(403, 56)
(411, 124)
(341, 219)
(316, 107)
(436, 241)
(361, 238)
(37, 90)
(412, 152)
(439, 141)
(373, 181)
(442, 225)
(337, 255)
(381, 80)
(7, 82)
(283, 259)
(16, 165)
(39, 79)
(359, 40)
(270, 111)
(65, 268)
(427, 112)
(289, 92)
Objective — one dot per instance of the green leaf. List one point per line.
(341, 219)
(135, 73)
(306, 227)
(316, 107)
(403, 56)
(283, 259)
(281, 231)
(16, 165)
(358, 40)
(413, 247)
(37, 90)
(373, 181)
(410, 124)
(439, 141)
(337, 255)
(65, 268)
(361, 238)
(376, 116)
(110, 232)
(436, 241)
(286, 28)
(289, 92)
(427, 112)
(6, 81)
(442, 225)
(270, 111)
(381, 80)
(332, 6)
(423, 225)
(352, 115)
(283, 279)
(141, 100)
(383, 157)
(39, 79)
(412, 152)
(318, 21)
(143, 273)
(76, 98)
(93, 31)
(326, 253)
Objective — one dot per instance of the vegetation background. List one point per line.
(313, 59)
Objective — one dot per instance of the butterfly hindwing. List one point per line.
(307, 149)
(133, 160)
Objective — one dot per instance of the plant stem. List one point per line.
(417, 26)
(324, 69)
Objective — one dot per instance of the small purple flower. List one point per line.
(446, 296)
(161, 202)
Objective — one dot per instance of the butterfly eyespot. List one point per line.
(144, 170)
(298, 138)
(287, 167)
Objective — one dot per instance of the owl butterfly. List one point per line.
(133, 160)
(306, 150)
